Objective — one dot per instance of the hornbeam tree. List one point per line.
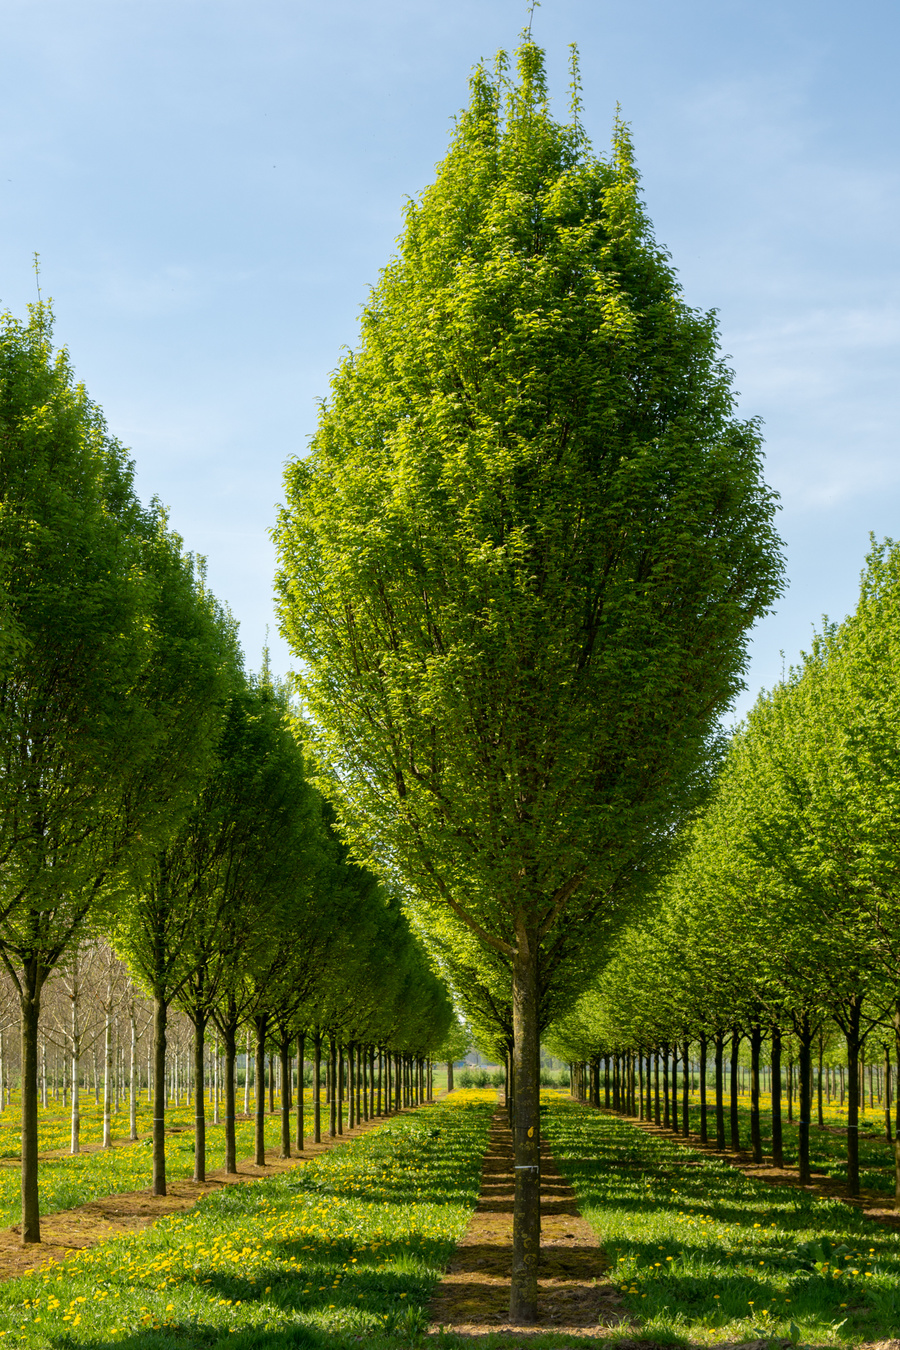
(110, 663)
(519, 565)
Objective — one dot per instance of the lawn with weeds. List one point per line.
(55, 1126)
(346, 1247)
(72, 1180)
(703, 1254)
(827, 1144)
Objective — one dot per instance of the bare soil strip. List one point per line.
(72, 1230)
(575, 1296)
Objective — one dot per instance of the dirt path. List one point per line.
(71, 1230)
(575, 1296)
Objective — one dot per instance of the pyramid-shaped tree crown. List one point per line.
(521, 560)
(530, 262)
(533, 410)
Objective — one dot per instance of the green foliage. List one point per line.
(520, 561)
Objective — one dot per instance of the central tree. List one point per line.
(520, 562)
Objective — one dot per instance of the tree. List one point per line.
(105, 681)
(519, 564)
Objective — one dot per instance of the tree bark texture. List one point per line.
(301, 1063)
(160, 1017)
(686, 1090)
(261, 1026)
(755, 1127)
(199, 1098)
(284, 1050)
(31, 1009)
(317, 1098)
(805, 1037)
(526, 1132)
(852, 1033)
(229, 1042)
(735, 1087)
(720, 1091)
(777, 1130)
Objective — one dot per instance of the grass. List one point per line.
(827, 1146)
(68, 1181)
(827, 1150)
(54, 1123)
(703, 1254)
(346, 1247)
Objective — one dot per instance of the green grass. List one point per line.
(827, 1149)
(346, 1247)
(68, 1181)
(705, 1255)
(54, 1123)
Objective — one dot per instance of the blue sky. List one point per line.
(213, 186)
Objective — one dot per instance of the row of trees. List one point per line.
(782, 915)
(152, 792)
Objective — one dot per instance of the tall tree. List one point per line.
(520, 562)
(104, 683)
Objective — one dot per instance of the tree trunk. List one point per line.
(686, 1090)
(755, 1129)
(665, 1085)
(675, 1087)
(76, 1061)
(301, 1073)
(332, 1095)
(30, 999)
(317, 1100)
(132, 1078)
(107, 1070)
(526, 1133)
(720, 1091)
(851, 1031)
(160, 1015)
(896, 1020)
(351, 1086)
(199, 1098)
(340, 1090)
(705, 1111)
(777, 1130)
(260, 1024)
(735, 1086)
(284, 1051)
(888, 1133)
(229, 1042)
(449, 1075)
(372, 1082)
(805, 1037)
